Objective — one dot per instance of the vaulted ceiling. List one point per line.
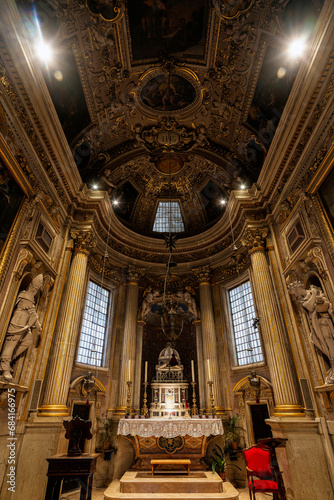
(162, 99)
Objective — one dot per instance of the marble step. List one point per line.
(170, 482)
(113, 492)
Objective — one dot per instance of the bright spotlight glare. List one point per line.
(243, 186)
(115, 202)
(297, 47)
(95, 186)
(43, 51)
(222, 202)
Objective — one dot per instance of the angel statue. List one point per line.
(18, 336)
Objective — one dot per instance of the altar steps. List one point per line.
(198, 486)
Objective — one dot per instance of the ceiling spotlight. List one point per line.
(58, 75)
(281, 72)
(115, 202)
(43, 51)
(243, 186)
(297, 47)
(223, 202)
(94, 186)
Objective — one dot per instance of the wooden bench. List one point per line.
(170, 461)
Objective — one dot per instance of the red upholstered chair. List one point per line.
(258, 465)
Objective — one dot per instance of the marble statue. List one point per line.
(147, 302)
(18, 335)
(321, 314)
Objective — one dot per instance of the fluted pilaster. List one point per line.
(209, 341)
(129, 340)
(62, 357)
(274, 337)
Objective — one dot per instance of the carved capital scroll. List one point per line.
(255, 239)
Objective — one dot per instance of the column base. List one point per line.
(220, 410)
(53, 411)
(290, 411)
(120, 411)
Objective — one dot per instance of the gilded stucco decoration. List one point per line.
(227, 9)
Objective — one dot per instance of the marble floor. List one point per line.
(98, 495)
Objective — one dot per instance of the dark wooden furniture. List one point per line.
(63, 467)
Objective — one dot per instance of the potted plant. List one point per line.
(105, 434)
(220, 463)
(232, 431)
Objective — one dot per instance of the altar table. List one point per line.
(162, 438)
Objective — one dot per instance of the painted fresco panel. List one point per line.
(10, 199)
(164, 27)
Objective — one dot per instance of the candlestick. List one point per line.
(129, 369)
(212, 401)
(128, 398)
(145, 372)
(144, 409)
(209, 370)
(192, 371)
(194, 409)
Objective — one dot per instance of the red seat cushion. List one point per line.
(263, 485)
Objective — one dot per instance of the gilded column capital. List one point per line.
(203, 275)
(84, 241)
(254, 239)
(133, 275)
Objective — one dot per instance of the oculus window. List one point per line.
(246, 338)
(168, 218)
(94, 326)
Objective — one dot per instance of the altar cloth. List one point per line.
(194, 427)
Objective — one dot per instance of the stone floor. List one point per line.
(98, 495)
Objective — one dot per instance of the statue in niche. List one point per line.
(18, 336)
(321, 315)
(190, 301)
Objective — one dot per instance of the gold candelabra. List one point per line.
(144, 409)
(128, 398)
(212, 401)
(194, 409)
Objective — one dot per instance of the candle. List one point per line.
(209, 370)
(145, 372)
(192, 371)
(129, 370)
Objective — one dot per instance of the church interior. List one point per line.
(166, 243)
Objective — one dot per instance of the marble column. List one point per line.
(209, 342)
(128, 357)
(62, 356)
(273, 334)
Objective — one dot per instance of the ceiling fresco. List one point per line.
(169, 98)
(167, 27)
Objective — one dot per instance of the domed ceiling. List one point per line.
(166, 99)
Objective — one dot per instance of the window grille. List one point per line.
(168, 218)
(246, 338)
(94, 326)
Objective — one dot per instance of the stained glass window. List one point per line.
(246, 337)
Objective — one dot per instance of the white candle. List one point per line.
(192, 371)
(209, 370)
(145, 372)
(129, 370)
